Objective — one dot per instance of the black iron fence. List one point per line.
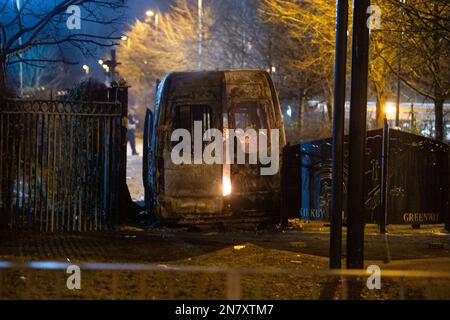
(412, 189)
(60, 164)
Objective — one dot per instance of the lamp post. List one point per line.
(399, 51)
(151, 14)
(340, 64)
(357, 136)
(19, 7)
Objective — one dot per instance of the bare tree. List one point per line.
(42, 24)
(151, 49)
(425, 51)
(311, 23)
(382, 54)
(241, 39)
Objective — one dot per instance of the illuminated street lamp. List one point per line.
(86, 68)
(150, 14)
(390, 110)
(289, 111)
(126, 39)
(100, 62)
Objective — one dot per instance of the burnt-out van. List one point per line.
(205, 107)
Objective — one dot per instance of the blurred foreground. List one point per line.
(177, 264)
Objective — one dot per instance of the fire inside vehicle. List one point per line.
(195, 193)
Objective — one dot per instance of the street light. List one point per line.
(86, 68)
(19, 16)
(399, 65)
(150, 14)
(390, 110)
(289, 111)
(100, 62)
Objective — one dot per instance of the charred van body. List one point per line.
(197, 192)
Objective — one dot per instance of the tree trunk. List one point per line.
(330, 106)
(380, 113)
(330, 103)
(301, 104)
(439, 119)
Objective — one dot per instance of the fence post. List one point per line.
(283, 199)
(7, 170)
(119, 93)
(447, 193)
(340, 67)
(122, 96)
(382, 219)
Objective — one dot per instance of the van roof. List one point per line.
(221, 73)
(249, 83)
(216, 71)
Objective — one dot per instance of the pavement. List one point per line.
(299, 252)
(134, 172)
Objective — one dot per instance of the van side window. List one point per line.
(250, 115)
(187, 114)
